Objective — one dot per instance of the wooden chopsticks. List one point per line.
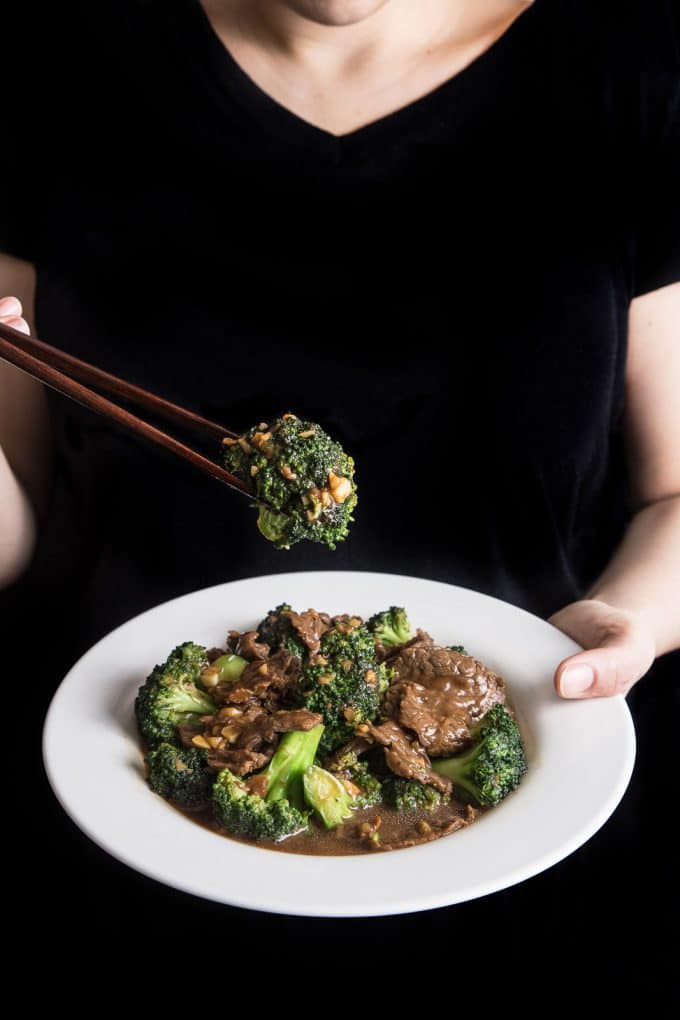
(73, 378)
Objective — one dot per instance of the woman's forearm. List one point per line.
(643, 577)
(17, 525)
(24, 431)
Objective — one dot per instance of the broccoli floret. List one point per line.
(328, 796)
(360, 776)
(245, 814)
(458, 648)
(277, 631)
(171, 696)
(303, 481)
(180, 775)
(344, 683)
(495, 763)
(281, 812)
(391, 627)
(409, 794)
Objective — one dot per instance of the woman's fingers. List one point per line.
(10, 314)
(10, 305)
(619, 650)
(16, 322)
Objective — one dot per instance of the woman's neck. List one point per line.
(397, 28)
(342, 76)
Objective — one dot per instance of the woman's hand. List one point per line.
(11, 314)
(21, 415)
(619, 645)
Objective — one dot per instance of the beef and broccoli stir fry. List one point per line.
(302, 480)
(320, 734)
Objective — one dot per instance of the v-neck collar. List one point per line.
(283, 122)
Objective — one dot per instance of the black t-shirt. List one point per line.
(445, 290)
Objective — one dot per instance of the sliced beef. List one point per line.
(214, 653)
(261, 681)
(251, 730)
(187, 731)
(244, 732)
(264, 727)
(296, 719)
(248, 647)
(405, 756)
(240, 762)
(253, 726)
(357, 745)
(440, 694)
(310, 627)
(421, 640)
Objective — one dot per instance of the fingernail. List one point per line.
(576, 680)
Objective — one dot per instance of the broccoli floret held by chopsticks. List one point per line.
(302, 480)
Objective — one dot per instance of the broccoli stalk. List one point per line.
(391, 627)
(224, 670)
(229, 667)
(180, 775)
(328, 796)
(281, 811)
(171, 695)
(495, 763)
(293, 757)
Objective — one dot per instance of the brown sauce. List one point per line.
(396, 830)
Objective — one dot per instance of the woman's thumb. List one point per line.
(622, 651)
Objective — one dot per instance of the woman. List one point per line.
(447, 231)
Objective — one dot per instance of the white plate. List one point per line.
(580, 753)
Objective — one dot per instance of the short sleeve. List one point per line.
(656, 203)
(23, 166)
(657, 223)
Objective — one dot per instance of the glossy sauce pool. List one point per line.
(395, 830)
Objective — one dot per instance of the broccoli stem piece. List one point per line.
(274, 527)
(328, 796)
(229, 667)
(294, 755)
(495, 763)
